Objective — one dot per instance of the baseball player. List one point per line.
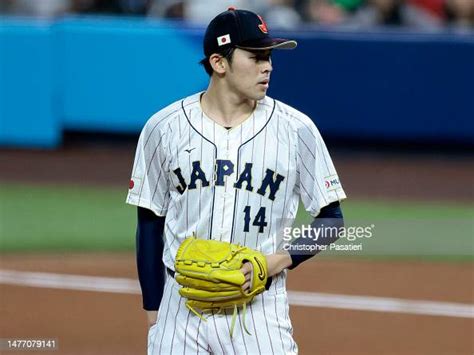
(229, 164)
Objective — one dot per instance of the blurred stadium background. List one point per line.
(389, 83)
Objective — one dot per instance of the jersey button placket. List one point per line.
(229, 193)
(220, 191)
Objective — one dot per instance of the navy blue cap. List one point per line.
(241, 29)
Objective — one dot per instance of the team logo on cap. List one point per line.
(263, 25)
(223, 40)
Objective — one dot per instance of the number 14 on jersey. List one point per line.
(259, 220)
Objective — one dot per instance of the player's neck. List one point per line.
(225, 107)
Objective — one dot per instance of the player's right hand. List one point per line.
(152, 317)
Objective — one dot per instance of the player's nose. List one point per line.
(267, 67)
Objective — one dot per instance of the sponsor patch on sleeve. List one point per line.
(332, 182)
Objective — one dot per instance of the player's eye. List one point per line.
(261, 58)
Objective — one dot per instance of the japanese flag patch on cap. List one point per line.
(223, 40)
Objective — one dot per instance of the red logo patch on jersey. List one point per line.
(131, 184)
(332, 182)
(263, 25)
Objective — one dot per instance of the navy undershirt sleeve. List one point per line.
(149, 247)
(329, 216)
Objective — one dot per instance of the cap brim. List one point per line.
(269, 43)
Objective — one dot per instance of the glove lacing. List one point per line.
(234, 317)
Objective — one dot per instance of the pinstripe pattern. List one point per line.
(275, 168)
(256, 331)
(220, 349)
(279, 326)
(177, 330)
(252, 158)
(179, 143)
(269, 334)
(152, 335)
(266, 325)
(257, 245)
(180, 302)
(160, 320)
(200, 187)
(151, 160)
(197, 338)
(242, 334)
(186, 333)
(228, 329)
(189, 168)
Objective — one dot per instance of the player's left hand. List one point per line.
(278, 262)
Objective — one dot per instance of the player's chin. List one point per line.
(260, 94)
(255, 93)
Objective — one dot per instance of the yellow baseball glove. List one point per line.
(209, 271)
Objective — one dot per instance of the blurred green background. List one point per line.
(77, 218)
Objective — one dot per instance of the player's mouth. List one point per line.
(264, 83)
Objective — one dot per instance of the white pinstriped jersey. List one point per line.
(237, 185)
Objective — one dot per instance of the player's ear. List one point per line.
(218, 63)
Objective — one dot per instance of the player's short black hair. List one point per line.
(228, 54)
